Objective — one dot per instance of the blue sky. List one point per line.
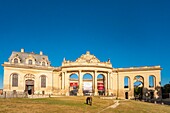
(129, 32)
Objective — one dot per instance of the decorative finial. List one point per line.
(22, 50)
(64, 59)
(41, 53)
(88, 52)
(108, 60)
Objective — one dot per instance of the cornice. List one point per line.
(145, 68)
(116, 70)
(29, 67)
(73, 66)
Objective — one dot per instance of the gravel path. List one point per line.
(112, 106)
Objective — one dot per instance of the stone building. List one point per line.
(32, 73)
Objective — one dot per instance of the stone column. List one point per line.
(158, 86)
(63, 87)
(117, 84)
(67, 84)
(109, 80)
(95, 83)
(132, 87)
(108, 87)
(106, 84)
(80, 93)
(145, 85)
(110, 83)
(60, 81)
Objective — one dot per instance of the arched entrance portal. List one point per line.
(73, 85)
(29, 86)
(138, 87)
(100, 84)
(87, 84)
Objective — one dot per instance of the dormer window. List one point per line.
(15, 60)
(43, 63)
(30, 62)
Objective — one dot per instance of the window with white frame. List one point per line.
(15, 80)
(43, 81)
(15, 60)
(30, 62)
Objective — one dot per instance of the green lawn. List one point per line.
(76, 105)
(139, 107)
(53, 105)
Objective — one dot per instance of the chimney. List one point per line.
(22, 50)
(41, 53)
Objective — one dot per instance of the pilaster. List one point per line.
(63, 80)
(67, 84)
(132, 87)
(145, 85)
(95, 83)
(106, 84)
(80, 92)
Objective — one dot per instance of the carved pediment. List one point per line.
(87, 58)
(29, 76)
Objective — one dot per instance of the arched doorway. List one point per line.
(138, 87)
(126, 86)
(100, 84)
(73, 84)
(126, 95)
(87, 84)
(29, 87)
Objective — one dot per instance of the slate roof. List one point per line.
(24, 55)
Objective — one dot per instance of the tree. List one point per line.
(137, 90)
(166, 88)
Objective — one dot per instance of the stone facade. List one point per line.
(32, 73)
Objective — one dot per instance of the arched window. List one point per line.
(14, 80)
(30, 62)
(87, 83)
(151, 81)
(138, 83)
(15, 60)
(101, 84)
(43, 81)
(126, 82)
(43, 63)
(74, 79)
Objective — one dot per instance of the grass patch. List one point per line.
(52, 105)
(76, 105)
(138, 107)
